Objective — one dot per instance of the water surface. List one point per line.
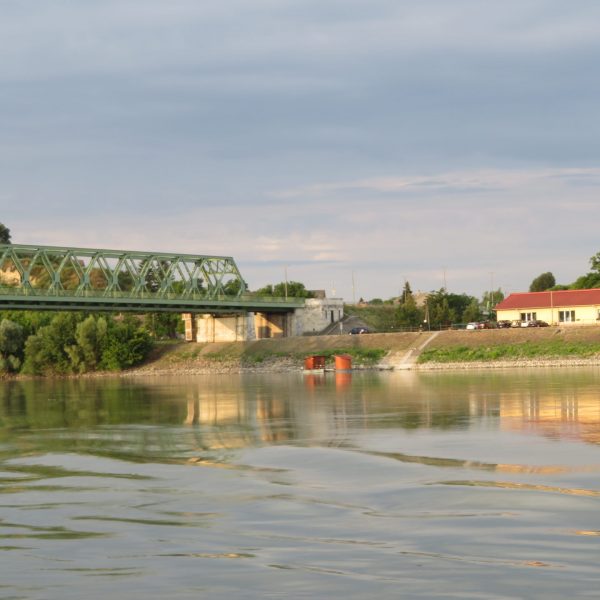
(391, 485)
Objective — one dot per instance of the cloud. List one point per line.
(388, 138)
(488, 180)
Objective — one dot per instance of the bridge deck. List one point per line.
(23, 299)
(92, 279)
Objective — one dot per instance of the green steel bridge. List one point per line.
(55, 278)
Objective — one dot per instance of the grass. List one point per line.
(522, 351)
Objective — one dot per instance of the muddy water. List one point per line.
(407, 485)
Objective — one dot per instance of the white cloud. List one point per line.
(391, 138)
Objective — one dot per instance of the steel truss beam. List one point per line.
(57, 278)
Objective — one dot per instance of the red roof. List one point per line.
(560, 298)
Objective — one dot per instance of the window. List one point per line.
(530, 316)
(566, 316)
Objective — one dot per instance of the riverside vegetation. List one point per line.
(35, 343)
(74, 343)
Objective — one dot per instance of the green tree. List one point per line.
(542, 282)
(127, 345)
(12, 345)
(4, 234)
(163, 325)
(472, 312)
(294, 289)
(90, 340)
(489, 301)
(589, 280)
(233, 287)
(586, 282)
(72, 343)
(444, 308)
(47, 350)
(408, 314)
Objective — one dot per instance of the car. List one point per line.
(516, 323)
(537, 323)
(503, 324)
(472, 326)
(485, 325)
(358, 330)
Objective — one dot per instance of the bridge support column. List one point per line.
(273, 325)
(191, 329)
(224, 328)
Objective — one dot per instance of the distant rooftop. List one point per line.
(550, 299)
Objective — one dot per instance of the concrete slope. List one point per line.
(407, 359)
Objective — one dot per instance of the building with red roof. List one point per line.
(555, 307)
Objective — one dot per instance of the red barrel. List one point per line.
(343, 362)
(313, 363)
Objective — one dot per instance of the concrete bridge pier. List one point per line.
(219, 328)
(191, 330)
(273, 325)
(237, 327)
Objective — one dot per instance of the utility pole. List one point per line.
(286, 281)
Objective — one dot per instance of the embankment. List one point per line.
(553, 346)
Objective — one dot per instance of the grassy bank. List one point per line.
(507, 345)
(365, 350)
(529, 351)
(458, 347)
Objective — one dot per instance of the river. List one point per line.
(350, 485)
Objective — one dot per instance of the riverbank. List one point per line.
(423, 351)
(481, 349)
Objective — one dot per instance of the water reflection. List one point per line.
(240, 411)
(356, 485)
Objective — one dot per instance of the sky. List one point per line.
(352, 145)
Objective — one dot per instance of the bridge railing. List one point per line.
(248, 298)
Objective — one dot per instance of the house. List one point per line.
(561, 307)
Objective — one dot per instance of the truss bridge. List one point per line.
(61, 278)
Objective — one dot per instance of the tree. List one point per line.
(90, 338)
(408, 314)
(162, 324)
(294, 289)
(472, 312)
(589, 280)
(489, 301)
(12, 344)
(586, 282)
(4, 234)
(542, 282)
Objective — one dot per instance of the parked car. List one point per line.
(503, 324)
(537, 324)
(516, 323)
(472, 326)
(485, 325)
(359, 330)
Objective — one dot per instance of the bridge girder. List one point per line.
(64, 278)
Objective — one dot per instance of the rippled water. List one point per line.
(394, 485)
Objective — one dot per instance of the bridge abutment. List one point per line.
(316, 315)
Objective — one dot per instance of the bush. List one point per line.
(74, 344)
(12, 344)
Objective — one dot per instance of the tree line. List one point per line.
(438, 309)
(591, 279)
(42, 343)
